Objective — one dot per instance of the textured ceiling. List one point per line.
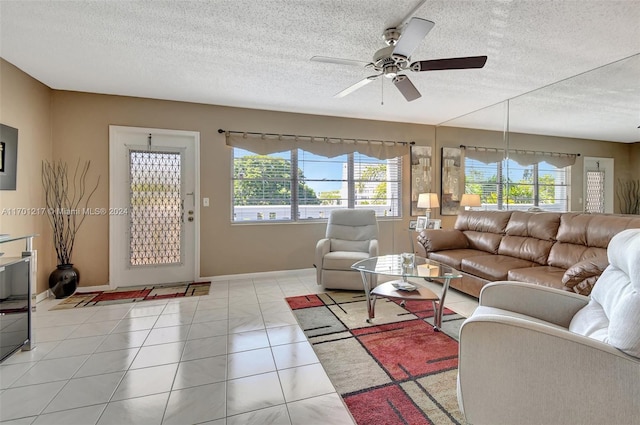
(255, 54)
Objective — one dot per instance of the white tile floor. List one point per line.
(236, 356)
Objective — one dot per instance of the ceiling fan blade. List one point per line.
(415, 31)
(406, 87)
(356, 86)
(339, 61)
(451, 63)
(410, 14)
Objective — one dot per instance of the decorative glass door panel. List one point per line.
(155, 220)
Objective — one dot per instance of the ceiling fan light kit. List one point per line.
(393, 60)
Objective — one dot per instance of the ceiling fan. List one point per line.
(395, 59)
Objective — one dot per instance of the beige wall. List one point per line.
(635, 160)
(26, 105)
(80, 129)
(77, 125)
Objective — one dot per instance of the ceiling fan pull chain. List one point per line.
(382, 92)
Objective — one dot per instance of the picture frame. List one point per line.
(421, 224)
(420, 178)
(434, 224)
(412, 224)
(8, 157)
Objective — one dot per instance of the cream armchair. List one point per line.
(351, 236)
(536, 355)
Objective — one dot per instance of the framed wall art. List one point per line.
(452, 180)
(8, 157)
(420, 176)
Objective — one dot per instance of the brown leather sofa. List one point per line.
(560, 250)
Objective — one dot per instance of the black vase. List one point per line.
(64, 280)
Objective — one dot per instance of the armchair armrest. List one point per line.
(373, 248)
(544, 303)
(515, 371)
(322, 248)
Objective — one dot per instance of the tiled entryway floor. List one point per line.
(236, 356)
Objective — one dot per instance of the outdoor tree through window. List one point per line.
(298, 185)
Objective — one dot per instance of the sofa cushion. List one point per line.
(483, 221)
(594, 230)
(342, 260)
(591, 321)
(565, 255)
(535, 225)
(493, 267)
(540, 275)
(526, 248)
(453, 257)
(349, 245)
(487, 242)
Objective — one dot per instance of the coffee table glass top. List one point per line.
(392, 265)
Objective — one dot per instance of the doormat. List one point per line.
(132, 294)
(397, 370)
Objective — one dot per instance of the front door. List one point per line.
(153, 206)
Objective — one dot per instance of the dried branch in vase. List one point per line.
(66, 199)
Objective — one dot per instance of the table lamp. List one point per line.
(428, 201)
(470, 200)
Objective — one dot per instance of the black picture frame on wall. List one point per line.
(8, 157)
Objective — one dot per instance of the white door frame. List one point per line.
(119, 241)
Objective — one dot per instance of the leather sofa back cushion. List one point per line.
(565, 255)
(483, 221)
(536, 225)
(488, 242)
(593, 229)
(530, 249)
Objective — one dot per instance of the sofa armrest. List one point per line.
(438, 240)
(581, 277)
(514, 371)
(544, 303)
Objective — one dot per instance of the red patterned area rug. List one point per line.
(397, 370)
(132, 294)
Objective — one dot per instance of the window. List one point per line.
(507, 185)
(297, 185)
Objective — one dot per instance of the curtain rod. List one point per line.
(519, 150)
(296, 136)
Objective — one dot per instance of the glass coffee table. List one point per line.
(399, 265)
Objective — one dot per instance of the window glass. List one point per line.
(299, 185)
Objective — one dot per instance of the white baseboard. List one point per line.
(48, 294)
(43, 295)
(93, 288)
(256, 275)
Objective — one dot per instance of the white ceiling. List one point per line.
(255, 54)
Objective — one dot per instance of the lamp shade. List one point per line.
(428, 200)
(470, 200)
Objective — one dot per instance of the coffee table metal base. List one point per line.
(387, 290)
